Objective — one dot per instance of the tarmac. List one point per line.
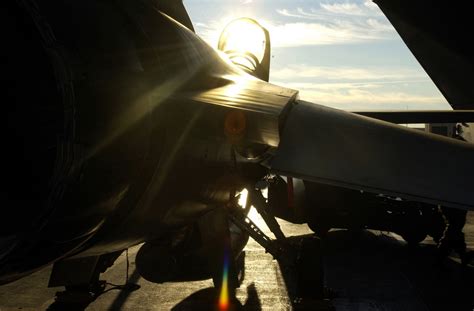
(366, 270)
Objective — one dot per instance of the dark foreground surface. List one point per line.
(367, 270)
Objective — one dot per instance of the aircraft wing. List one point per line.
(345, 149)
(339, 148)
(421, 116)
(435, 32)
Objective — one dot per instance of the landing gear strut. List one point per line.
(303, 260)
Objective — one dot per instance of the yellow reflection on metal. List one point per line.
(238, 85)
(243, 198)
(234, 90)
(253, 215)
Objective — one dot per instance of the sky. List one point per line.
(339, 53)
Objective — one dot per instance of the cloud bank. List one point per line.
(332, 23)
(353, 88)
(377, 74)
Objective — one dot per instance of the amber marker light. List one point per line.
(235, 124)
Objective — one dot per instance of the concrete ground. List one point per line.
(369, 270)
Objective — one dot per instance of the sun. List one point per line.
(244, 41)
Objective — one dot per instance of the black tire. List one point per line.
(414, 237)
(320, 230)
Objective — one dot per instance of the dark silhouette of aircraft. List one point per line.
(121, 126)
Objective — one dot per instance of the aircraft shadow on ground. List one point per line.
(81, 302)
(206, 299)
(359, 266)
(304, 294)
(364, 265)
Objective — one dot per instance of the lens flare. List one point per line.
(244, 40)
(224, 295)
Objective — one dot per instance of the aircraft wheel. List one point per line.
(309, 269)
(320, 230)
(156, 263)
(437, 234)
(414, 237)
(438, 227)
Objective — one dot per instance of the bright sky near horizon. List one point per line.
(340, 53)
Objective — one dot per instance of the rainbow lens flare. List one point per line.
(224, 295)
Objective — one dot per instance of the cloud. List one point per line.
(368, 8)
(303, 34)
(332, 23)
(302, 71)
(369, 4)
(301, 13)
(344, 8)
(364, 96)
(354, 88)
(331, 11)
(306, 34)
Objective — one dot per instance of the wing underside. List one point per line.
(344, 149)
(435, 32)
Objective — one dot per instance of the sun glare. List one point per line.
(240, 39)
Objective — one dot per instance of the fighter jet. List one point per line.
(122, 126)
